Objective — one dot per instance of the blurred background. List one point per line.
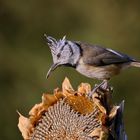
(25, 57)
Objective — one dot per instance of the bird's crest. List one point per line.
(52, 42)
(55, 45)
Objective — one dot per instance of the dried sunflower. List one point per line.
(71, 115)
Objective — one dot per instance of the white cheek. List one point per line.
(65, 55)
(55, 59)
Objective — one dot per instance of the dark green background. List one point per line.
(25, 58)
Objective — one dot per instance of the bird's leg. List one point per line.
(103, 86)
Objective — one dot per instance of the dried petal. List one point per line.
(67, 88)
(48, 99)
(113, 112)
(25, 126)
(84, 88)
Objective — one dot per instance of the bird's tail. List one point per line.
(135, 64)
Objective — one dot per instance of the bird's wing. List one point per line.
(99, 56)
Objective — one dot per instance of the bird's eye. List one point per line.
(58, 55)
(66, 43)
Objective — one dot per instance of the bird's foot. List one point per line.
(102, 87)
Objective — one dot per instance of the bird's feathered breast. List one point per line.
(99, 56)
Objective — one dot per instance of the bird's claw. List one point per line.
(103, 87)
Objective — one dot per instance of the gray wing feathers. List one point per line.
(99, 56)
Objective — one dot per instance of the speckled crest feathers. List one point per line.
(54, 44)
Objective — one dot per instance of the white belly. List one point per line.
(101, 72)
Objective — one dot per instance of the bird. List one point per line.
(93, 61)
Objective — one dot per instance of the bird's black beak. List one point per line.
(52, 68)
